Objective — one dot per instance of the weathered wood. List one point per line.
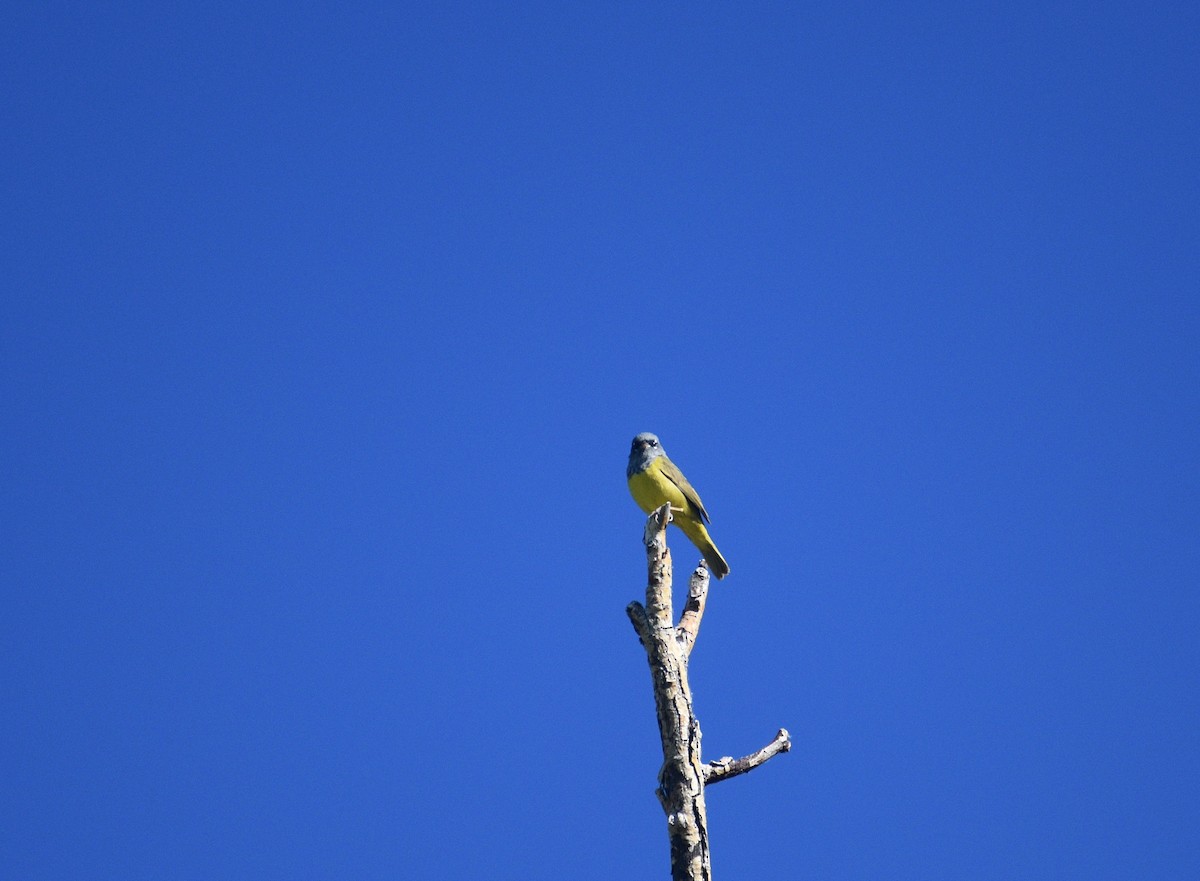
(693, 609)
(681, 778)
(727, 766)
(683, 775)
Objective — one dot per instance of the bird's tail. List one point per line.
(701, 539)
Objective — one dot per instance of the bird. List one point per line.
(655, 480)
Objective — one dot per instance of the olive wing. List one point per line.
(673, 474)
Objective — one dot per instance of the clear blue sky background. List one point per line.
(324, 335)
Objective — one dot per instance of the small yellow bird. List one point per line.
(654, 480)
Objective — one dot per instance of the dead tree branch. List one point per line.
(683, 775)
(727, 766)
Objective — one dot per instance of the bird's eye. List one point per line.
(654, 443)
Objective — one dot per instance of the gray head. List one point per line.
(645, 450)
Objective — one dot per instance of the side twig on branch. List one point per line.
(727, 766)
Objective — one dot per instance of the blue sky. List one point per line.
(325, 335)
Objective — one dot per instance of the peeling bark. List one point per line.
(683, 775)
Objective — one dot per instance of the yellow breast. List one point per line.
(650, 489)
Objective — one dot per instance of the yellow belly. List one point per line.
(650, 489)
